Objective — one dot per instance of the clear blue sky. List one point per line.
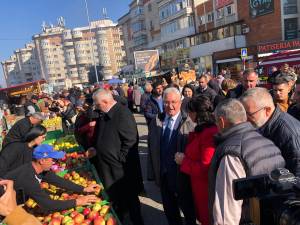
(20, 19)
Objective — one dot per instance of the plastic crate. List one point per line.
(54, 134)
(49, 141)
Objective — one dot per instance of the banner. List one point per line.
(259, 7)
(146, 61)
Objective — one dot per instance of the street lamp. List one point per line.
(92, 44)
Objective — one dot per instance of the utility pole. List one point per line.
(91, 40)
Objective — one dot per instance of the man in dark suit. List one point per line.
(116, 147)
(167, 135)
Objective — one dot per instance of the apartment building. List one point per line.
(23, 66)
(134, 30)
(66, 56)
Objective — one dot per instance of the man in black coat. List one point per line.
(20, 128)
(116, 147)
(278, 126)
(204, 89)
(250, 80)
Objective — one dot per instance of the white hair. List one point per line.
(232, 110)
(260, 96)
(103, 94)
(171, 90)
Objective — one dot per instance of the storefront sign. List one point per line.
(260, 7)
(291, 28)
(284, 45)
(222, 3)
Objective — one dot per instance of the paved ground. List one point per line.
(152, 209)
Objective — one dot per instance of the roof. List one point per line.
(23, 85)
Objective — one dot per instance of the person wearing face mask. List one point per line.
(280, 127)
(18, 153)
(250, 80)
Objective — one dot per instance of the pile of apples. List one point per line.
(96, 214)
(70, 161)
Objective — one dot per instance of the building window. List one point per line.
(149, 7)
(210, 17)
(220, 13)
(290, 7)
(229, 10)
(291, 28)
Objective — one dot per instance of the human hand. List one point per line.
(92, 188)
(179, 157)
(91, 152)
(92, 123)
(8, 200)
(86, 200)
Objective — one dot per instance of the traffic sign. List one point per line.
(244, 53)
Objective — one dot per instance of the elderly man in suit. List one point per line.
(168, 135)
(117, 153)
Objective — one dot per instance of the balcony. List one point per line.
(226, 20)
(77, 34)
(186, 11)
(209, 48)
(68, 44)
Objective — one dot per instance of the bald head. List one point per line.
(103, 100)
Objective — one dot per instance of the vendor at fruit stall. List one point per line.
(20, 128)
(18, 153)
(29, 176)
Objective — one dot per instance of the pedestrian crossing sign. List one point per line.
(244, 53)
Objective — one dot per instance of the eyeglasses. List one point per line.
(253, 113)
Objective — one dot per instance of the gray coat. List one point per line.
(155, 131)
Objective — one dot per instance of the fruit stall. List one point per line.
(78, 169)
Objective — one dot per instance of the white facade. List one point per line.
(176, 19)
(219, 45)
(59, 54)
(22, 67)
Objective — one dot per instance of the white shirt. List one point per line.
(227, 210)
(174, 125)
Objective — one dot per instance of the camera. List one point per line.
(276, 197)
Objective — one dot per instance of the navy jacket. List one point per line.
(284, 131)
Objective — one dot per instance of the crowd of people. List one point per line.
(201, 136)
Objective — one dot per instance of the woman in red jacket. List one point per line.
(199, 152)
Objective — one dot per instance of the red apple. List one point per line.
(86, 211)
(88, 221)
(79, 218)
(55, 221)
(93, 215)
(73, 214)
(56, 215)
(65, 196)
(111, 221)
(44, 185)
(99, 221)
